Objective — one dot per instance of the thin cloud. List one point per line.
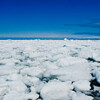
(83, 36)
(93, 24)
(87, 33)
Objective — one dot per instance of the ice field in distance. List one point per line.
(50, 69)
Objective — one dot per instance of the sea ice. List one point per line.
(49, 69)
(80, 96)
(55, 90)
(82, 85)
(33, 71)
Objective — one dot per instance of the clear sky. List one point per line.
(49, 18)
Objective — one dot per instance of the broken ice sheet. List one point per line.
(34, 70)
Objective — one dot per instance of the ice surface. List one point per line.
(49, 69)
(71, 73)
(32, 71)
(13, 95)
(56, 90)
(82, 85)
(80, 96)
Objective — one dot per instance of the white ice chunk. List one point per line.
(18, 86)
(56, 90)
(82, 85)
(80, 96)
(3, 91)
(63, 62)
(6, 70)
(71, 73)
(33, 71)
(13, 95)
(30, 80)
(13, 77)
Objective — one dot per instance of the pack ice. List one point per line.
(49, 70)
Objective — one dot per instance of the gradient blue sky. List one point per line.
(49, 18)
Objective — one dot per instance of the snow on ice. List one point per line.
(49, 70)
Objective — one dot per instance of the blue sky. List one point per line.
(49, 18)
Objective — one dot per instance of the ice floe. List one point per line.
(49, 69)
